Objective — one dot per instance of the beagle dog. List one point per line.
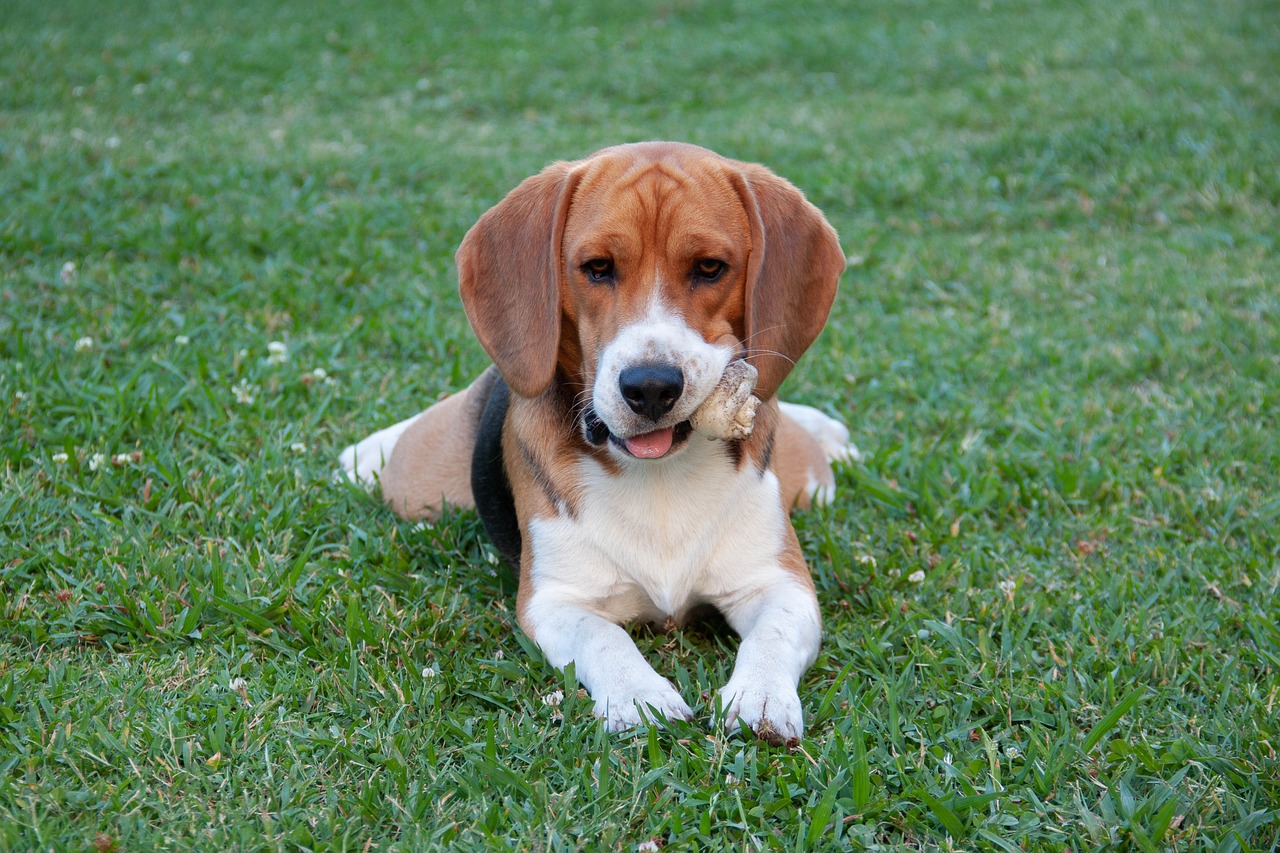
(614, 295)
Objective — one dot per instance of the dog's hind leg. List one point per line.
(425, 461)
(808, 442)
(831, 435)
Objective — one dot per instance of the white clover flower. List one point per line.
(96, 461)
(20, 395)
(245, 392)
(319, 374)
(648, 846)
(238, 684)
(121, 459)
(917, 576)
(553, 698)
(59, 458)
(867, 560)
(182, 340)
(893, 573)
(298, 447)
(85, 343)
(1008, 587)
(68, 272)
(429, 672)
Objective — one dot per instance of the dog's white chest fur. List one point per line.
(662, 537)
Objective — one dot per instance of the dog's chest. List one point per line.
(656, 540)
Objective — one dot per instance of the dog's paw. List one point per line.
(359, 470)
(831, 435)
(773, 712)
(361, 463)
(623, 708)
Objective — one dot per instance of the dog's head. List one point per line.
(638, 274)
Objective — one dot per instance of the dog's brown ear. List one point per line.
(509, 270)
(795, 264)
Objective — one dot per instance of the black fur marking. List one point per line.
(733, 449)
(766, 458)
(489, 485)
(544, 482)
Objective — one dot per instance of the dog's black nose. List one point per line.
(651, 389)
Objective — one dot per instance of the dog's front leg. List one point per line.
(626, 690)
(781, 629)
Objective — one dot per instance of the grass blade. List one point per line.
(945, 816)
(1111, 719)
(861, 782)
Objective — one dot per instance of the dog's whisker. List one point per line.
(759, 352)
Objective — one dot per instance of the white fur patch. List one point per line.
(663, 536)
(819, 494)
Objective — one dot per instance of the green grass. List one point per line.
(1050, 593)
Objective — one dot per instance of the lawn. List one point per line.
(1049, 591)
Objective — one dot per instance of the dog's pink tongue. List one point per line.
(651, 445)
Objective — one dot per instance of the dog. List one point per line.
(614, 294)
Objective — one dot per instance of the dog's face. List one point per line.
(655, 268)
(637, 275)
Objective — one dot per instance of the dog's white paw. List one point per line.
(361, 469)
(831, 435)
(622, 707)
(362, 462)
(771, 710)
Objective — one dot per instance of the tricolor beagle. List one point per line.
(613, 295)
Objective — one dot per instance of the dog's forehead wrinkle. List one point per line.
(675, 205)
(657, 176)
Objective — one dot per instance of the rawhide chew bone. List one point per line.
(729, 412)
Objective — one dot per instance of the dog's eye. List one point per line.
(709, 269)
(599, 269)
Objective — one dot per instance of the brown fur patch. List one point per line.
(431, 463)
(798, 462)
